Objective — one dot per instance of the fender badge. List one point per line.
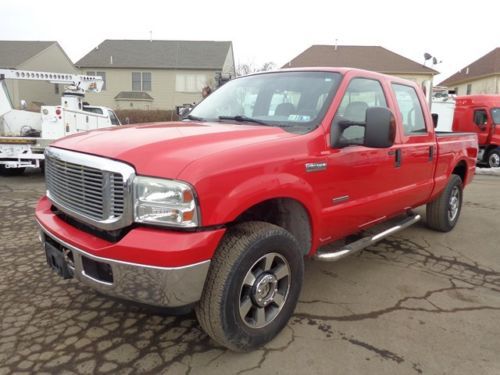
(315, 167)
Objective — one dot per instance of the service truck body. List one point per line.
(24, 134)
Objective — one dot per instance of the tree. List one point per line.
(249, 68)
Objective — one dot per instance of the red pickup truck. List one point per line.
(218, 211)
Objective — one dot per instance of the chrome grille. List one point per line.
(90, 188)
(77, 187)
(117, 191)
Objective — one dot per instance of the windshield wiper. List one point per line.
(194, 118)
(243, 118)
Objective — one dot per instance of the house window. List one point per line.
(100, 74)
(469, 89)
(191, 82)
(141, 81)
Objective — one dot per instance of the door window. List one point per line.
(495, 113)
(410, 110)
(361, 94)
(112, 117)
(480, 117)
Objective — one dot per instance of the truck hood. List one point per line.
(164, 150)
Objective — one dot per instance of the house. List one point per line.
(480, 77)
(373, 58)
(46, 56)
(156, 74)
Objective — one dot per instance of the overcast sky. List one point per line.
(455, 32)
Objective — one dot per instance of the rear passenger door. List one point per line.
(418, 147)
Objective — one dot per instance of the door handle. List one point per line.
(431, 153)
(398, 157)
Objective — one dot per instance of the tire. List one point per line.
(493, 159)
(252, 287)
(444, 211)
(11, 171)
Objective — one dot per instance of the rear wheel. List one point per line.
(252, 287)
(444, 211)
(11, 171)
(494, 158)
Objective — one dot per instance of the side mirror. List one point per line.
(435, 119)
(380, 128)
(377, 131)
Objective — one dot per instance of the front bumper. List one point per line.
(161, 282)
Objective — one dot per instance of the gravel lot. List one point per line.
(420, 302)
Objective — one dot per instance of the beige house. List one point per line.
(373, 58)
(480, 77)
(44, 56)
(156, 74)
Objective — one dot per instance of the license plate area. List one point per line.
(12, 150)
(58, 261)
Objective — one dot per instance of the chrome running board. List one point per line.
(356, 246)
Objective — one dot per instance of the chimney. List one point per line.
(150, 35)
(467, 70)
(111, 60)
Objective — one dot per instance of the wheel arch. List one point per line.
(271, 198)
(287, 213)
(460, 170)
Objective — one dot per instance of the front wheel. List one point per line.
(494, 158)
(444, 211)
(252, 287)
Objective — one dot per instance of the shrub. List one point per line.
(139, 116)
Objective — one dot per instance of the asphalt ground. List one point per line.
(420, 302)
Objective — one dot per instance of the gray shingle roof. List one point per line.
(373, 58)
(166, 54)
(133, 95)
(15, 52)
(485, 65)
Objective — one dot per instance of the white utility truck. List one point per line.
(24, 135)
(444, 106)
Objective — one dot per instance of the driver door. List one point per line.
(362, 182)
(481, 120)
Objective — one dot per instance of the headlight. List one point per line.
(164, 202)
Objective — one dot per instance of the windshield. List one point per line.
(495, 114)
(296, 101)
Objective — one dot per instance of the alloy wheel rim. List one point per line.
(264, 290)
(454, 204)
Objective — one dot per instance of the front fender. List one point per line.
(258, 189)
